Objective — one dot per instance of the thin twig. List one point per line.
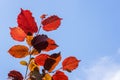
(38, 30)
(27, 67)
(30, 53)
(56, 70)
(28, 62)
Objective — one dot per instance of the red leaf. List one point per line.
(52, 61)
(26, 22)
(39, 42)
(43, 16)
(17, 34)
(59, 76)
(70, 63)
(51, 45)
(51, 23)
(40, 59)
(15, 75)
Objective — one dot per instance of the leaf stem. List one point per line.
(30, 53)
(38, 30)
(28, 62)
(56, 70)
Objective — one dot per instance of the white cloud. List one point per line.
(103, 69)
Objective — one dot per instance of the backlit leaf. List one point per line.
(23, 63)
(40, 59)
(51, 45)
(26, 22)
(59, 75)
(17, 34)
(18, 51)
(39, 42)
(51, 23)
(32, 65)
(70, 63)
(35, 52)
(29, 39)
(15, 75)
(47, 77)
(52, 62)
(43, 16)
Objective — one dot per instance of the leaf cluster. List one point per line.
(41, 64)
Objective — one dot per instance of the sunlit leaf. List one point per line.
(34, 52)
(17, 34)
(52, 62)
(23, 63)
(29, 39)
(15, 75)
(26, 22)
(18, 51)
(39, 42)
(32, 65)
(70, 63)
(40, 59)
(59, 75)
(47, 77)
(51, 23)
(51, 45)
(43, 16)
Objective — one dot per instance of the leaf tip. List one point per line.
(21, 9)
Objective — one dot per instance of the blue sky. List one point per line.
(90, 31)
